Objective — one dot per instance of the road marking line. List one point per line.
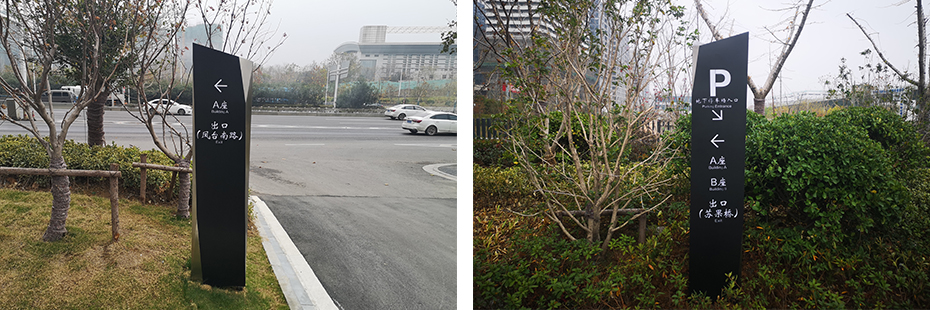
(427, 145)
(434, 170)
(322, 127)
(306, 144)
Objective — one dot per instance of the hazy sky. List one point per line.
(828, 36)
(315, 28)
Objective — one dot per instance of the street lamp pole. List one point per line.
(336, 90)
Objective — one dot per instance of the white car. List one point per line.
(402, 111)
(159, 106)
(433, 123)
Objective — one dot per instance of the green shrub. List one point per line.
(504, 187)
(493, 153)
(543, 272)
(823, 175)
(916, 217)
(836, 176)
(895, 135)
(26, 152)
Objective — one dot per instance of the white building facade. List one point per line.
(380, 60)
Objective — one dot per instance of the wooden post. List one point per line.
(114, 202)
(142, 177)
(642, 228)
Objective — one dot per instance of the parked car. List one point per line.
(159, 106)
(114, 98)
(402, 111)
(432, 123)
(59, 96)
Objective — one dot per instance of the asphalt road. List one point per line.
(378, 230)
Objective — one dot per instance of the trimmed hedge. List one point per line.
(26, 152)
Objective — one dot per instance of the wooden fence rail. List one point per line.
(113, 174)
(143, 166)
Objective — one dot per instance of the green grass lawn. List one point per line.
(148, 268)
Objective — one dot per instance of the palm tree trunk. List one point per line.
(61, 201)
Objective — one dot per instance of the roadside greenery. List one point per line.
(836, 216)
(148, 268)
(25, 152)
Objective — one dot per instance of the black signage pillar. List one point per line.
(718, 155)
(222, 117)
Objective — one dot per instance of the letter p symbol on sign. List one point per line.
(713, 80)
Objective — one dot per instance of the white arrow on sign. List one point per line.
(714, 141)
(719, 117)
(218, 85)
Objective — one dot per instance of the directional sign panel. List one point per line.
(222, 117)
(718, 151)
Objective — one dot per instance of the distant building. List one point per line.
(380, 60)
(516, 21)
(497, 19)
(198, 34)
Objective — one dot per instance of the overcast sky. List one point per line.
(315, 28)
(828, 36)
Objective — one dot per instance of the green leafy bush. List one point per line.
(823, 175)
(502, 187)
(545, 272)
(836, 176)
(896, 136)
(493, 153)
(26, 152)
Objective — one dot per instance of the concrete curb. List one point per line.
(301, 288)
(434, 170)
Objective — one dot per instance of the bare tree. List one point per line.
(794, 28)
(243, 26)
(922, 111)
(96, 43)
(28, 38)
(449, 37)
(582, 69)
(235, 27)
(159, 67)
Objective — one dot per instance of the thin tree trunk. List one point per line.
(184, 191)
(922, 109)
(95, 119)
(759, 105)
(594, 223)
(61, 201)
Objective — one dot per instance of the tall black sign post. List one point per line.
(718, 155)
(222, 117)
